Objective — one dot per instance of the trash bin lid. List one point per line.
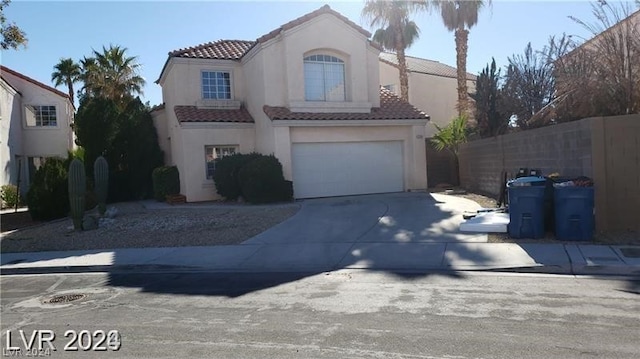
(530, 180)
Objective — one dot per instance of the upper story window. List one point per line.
(41, 116)
(324, 78)
(216, 85)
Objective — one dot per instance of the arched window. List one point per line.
(324, 78)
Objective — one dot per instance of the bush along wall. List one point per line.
(166, 181)
(226, 174)
(48, 196)
(255, 177)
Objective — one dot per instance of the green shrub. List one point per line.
(9, 196)
(226, 174)
(262, 181)
(166, 181)
(48, 196)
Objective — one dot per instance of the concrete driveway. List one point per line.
(383, 218)
(400, 231)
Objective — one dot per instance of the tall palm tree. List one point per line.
(459, 16)
(112, 74)
(66, 72)
(396, 31)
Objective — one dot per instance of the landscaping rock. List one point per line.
(111, 212)
(89, 223)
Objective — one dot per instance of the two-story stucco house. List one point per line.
(35, 123)
(309, 93)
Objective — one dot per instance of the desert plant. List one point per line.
(77, 183)
(101, 182)
(9, 195)
(126, 138)
(226, 174)
(48, 195)
(262, 181)
(166, 181)
(451, 137)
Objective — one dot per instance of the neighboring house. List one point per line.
(629, 26)
(307, 92)
(35, 123)
(433, 87)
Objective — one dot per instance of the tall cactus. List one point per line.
(77, 189)
(101, 182)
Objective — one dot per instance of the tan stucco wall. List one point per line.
(435, 95)
(264, 87)
(327, 34)
(17, 139)
(10, 133)
(193, 177)
(183, 82)
(415, 171)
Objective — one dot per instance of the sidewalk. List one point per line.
(577, 259)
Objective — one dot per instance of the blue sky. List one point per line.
(150, 29)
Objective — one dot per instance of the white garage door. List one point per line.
(346, 168)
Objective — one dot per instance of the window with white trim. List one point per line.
(213, 153)
(324, 78)
(41, 116)
(216, 85)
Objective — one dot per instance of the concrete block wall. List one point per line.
(564, 148)
(606, 149)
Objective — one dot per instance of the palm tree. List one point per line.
(88, 76)
(459, 16)
(112, 74)
(396, 31)
(66, 72)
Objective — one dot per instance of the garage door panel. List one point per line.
(346, 168)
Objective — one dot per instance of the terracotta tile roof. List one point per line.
(32, 81)
(391, 108)
(235, 49)
(219, 50)
(194, 114)
(301, 20)
(425, 66)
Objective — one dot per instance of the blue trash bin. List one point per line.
(574, 213)
(526, 211)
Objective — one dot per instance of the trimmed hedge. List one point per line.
(262, 181)
(255, 177)
(166, 181)
(48, 196)
(226, 174)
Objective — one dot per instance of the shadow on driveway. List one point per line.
(408, 235)
(404, 234)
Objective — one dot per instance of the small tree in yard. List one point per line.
(451, 137)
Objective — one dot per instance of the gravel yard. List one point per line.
(136, 227)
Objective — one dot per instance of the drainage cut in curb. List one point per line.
(62, 299)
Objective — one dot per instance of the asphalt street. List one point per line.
(342, 314)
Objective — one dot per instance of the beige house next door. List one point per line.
(346, 168)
